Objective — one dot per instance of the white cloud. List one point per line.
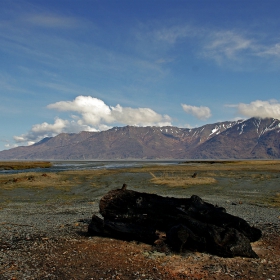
(51, 21)
(239, 50)
(139, 116)
(273, 51)
(95, 112)
(233, 48)
(54, 128)
(91, 114)
(227, 45)
(187, 125)
(10, 146)
(172, 34)
(21, 138)
(40, 131)
(201, 112)
(259, 108)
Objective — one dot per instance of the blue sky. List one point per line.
(68, 66)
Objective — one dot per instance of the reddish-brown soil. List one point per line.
(104, 258)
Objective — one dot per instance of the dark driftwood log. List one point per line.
(190, 223)
(120, 230)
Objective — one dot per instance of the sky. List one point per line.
(68, 66)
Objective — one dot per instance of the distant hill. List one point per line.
(251, 139)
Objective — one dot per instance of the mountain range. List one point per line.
(254, 138)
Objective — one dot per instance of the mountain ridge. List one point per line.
(253, 138)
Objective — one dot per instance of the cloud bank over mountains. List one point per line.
(95, 112)
(92, 114)
(201, 112)
(261, 109)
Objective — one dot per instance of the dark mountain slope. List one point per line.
(253, 138)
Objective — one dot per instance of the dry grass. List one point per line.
(234, 162)
(276, 201)
(256, 162)
(18, 165)
(61, 180)
(180, 180)
(179, 175)
(213, 166)
(34, 180)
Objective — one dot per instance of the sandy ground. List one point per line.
(44, 218)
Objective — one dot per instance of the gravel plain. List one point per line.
(43, 234)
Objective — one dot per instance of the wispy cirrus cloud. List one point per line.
(227, 45)
(23, 38)
(201, 112)
(239, 50)
(231, 48)
(174, 33)
(270, 51)
(51, 21)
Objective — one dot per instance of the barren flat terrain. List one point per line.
(44, 219)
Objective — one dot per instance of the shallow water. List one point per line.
(87, 165)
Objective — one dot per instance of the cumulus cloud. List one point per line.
(40, 131)
(91, 114)
(7, 144)
(95, 112)
(259, 108)
(139, 116)
(45, 127)
(201, 112)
